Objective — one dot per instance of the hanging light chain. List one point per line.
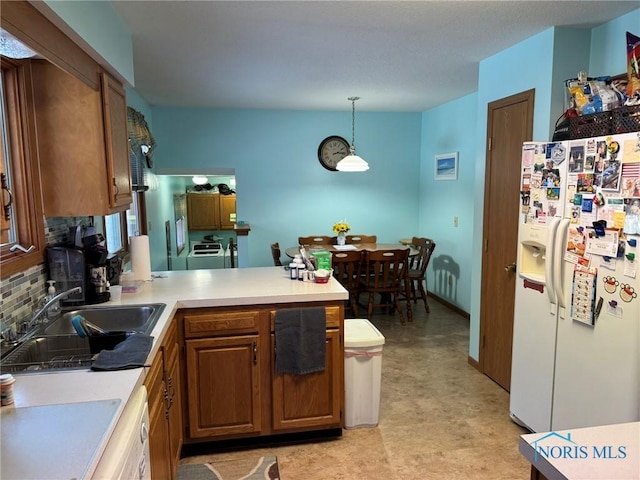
(353, 123)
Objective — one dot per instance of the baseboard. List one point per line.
(449, 305)
(474, 363)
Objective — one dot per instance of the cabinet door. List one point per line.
(170, 354)
(203, 212)
(116, 137)
(227, 211)
(159, 445)
(158, 425)
(314, 400)
(223, 385)
(82, 144)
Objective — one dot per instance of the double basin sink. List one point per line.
(56, 345)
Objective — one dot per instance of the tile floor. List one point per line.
(439, 417)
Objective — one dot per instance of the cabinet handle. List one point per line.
(255, 353)
(172, 390)
(6, 206)
(167, 404)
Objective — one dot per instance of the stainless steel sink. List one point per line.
(126, 318)
(60, 352)
(58, 347)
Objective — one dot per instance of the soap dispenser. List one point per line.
(54, 309)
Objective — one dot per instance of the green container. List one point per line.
(323, 259)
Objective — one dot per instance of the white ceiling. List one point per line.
(312, 55)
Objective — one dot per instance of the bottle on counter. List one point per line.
(302, 272)
(54, 309)
(6, 389)
(293, 271)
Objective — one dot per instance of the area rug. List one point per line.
(253, 468)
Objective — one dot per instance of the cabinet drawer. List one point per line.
(333, 314)
(206, 324)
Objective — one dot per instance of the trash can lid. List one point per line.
(360, 332)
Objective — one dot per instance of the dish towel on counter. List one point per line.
(132, 353)
(300, 340)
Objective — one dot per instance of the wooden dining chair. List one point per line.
(417, 274)
(275, 253)
(346, 269)
(385, 278)
(317, 240)
(351, 239)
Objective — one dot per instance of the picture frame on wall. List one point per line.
(446, 166)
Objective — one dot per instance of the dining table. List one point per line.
(358, 247)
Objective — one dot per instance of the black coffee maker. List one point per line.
(71, 266)
(95, 253)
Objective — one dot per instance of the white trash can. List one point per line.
(362, 372)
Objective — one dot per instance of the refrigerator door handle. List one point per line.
(558, 263)
(550, 256)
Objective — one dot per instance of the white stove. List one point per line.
(205, 255)
(206, 249)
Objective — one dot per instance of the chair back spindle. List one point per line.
(275, 253)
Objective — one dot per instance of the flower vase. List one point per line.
(342, 238)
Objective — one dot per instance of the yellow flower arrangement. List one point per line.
(341, 227)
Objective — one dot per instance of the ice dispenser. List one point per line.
(533, 246)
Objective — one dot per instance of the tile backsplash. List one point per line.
(23, 292)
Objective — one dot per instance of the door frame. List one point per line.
(527, 96)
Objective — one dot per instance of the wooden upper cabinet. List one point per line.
(116, 141)
(82, 143)
(227, 211)
(203, 211)
(211, 211)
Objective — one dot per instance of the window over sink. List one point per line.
(21, 218)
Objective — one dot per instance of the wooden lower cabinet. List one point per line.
(165, 408)
(313, 400)
(223, 384)
(232, 390)
(172, 380)
(158, 425)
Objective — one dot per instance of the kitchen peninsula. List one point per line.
(212, 317)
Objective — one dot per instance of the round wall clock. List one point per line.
(331, 150)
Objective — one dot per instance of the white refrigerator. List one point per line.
(576, 337)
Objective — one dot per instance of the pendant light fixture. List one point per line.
(352, 162)
(199, 179)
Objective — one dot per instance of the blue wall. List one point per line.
(97, 24)
(282, 190)
(445, 129)
(609, 45)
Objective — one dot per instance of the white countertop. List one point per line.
(176, 289)
(606, 452)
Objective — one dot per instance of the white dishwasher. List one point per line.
(127, 454)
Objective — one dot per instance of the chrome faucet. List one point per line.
(54, 299)
(26, 328)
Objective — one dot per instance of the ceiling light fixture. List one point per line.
(199, 179)
(13, 48)
(352, 162)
